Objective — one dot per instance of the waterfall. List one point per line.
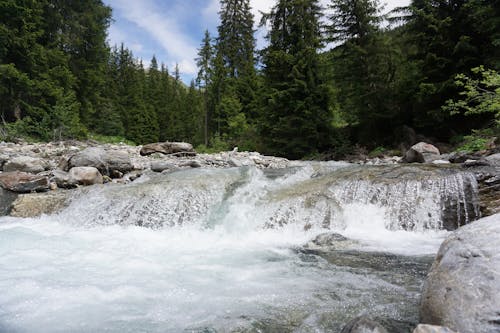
(225, 250)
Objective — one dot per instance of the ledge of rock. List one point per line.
(462, 290)
(110, 163)
(22, 182)
(168, 148)
(36, 204)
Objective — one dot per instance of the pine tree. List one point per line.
(296, 121)
(234, 62)
(203, 80)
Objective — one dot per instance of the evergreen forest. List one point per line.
(329, 80)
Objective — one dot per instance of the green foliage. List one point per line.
(479, 95)
(110, 139)
(478, 140)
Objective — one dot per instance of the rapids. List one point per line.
(223, 251)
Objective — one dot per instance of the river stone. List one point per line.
(494, 159)
(107, 162)
(36, 204)
(363, 324)
(462, 290)
(62, 179)
(422, 328)
(421, 153)
(167, 148)
(85, 175)
(22, 182)
(25, 164)
(6, 200)
(160, 166)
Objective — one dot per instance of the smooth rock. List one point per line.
(25, 164)
(421, 153)
(167, 148)
(462, 290)
(36, 204)
(22, 182)
(423, 328)
(6, 200)
(475, 163)
(363, 324)
(63, 179)
(494, 159)
(107, 162)
(441, 162)
(328, 241)
(160, 166)
(85, 175)
(191, 164)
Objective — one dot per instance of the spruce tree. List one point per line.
(234, 62)
(203, 79)
(296, 121)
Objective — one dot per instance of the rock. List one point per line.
(159, 166)
(6, 200)
(62, 179)
(421, 153)
(363, 324)
(238, 162)
(462, 290)
(475, 163)
(25, 164)
(494, 159)
(22, 182)
(107, 162)
(192, 164)
(328, 241)
(422, 328)
(461, 157)
(36, 204)
(85, 175)
(168, 148)
(3, 158)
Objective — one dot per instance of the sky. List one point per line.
(172, 30)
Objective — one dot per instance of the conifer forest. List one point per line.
(329, 79)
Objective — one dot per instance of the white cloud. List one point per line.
(163, 28)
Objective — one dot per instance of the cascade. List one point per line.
(224, 250)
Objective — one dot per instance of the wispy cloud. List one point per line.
(163, 27)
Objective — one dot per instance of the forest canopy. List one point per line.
(431, 67)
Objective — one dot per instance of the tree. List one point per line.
(234, 62)
(478, 95)
(451, 37)
(203, 80)
(296, 121)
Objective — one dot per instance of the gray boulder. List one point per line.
(22, 182)
(363, 324)
(6, 200)
(85, 176)
(494, 160)
(160, 166)
(36, 204)
(181, 148)
(107, 162)
(25, 164)
(62, 179)
(462, 290)
(421, 153)
(422, 328)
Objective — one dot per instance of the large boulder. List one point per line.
(25, 164)
(22, 182)
(36, 204)
(462, 290)
(85, 176)
(6, 200)
(494, 160)
(421, 153)
(107, 162)
(181, 148)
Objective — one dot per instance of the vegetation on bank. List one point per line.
(433, 69)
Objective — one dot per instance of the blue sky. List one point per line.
(172, 30)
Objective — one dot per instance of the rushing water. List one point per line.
(222, 251)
